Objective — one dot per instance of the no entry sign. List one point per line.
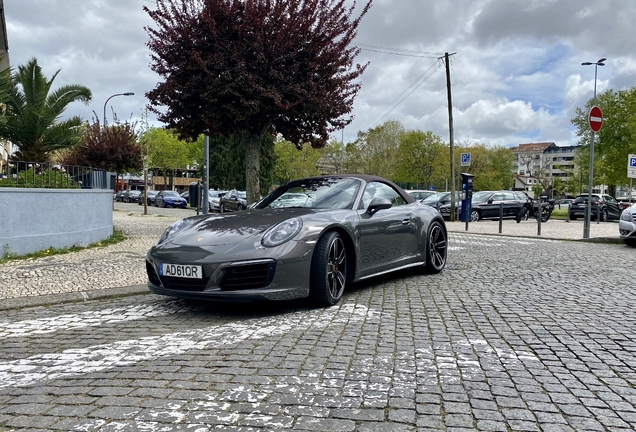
(595, 119)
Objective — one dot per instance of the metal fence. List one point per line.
(51, 175)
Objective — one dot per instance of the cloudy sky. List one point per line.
(516, 73)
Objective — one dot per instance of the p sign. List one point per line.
(465, 159)
(631, 166)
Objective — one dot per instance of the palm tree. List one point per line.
(32, 116)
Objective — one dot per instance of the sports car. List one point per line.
(336, 230)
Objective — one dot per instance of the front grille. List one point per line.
(248, 276)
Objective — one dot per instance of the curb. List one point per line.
(72, 297)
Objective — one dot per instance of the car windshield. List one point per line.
(170, 194)
(481, 196)
(242, 194)
(134, 192)
(216, 194)
(435, 197)
(323, 193)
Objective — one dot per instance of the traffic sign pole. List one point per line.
(595, 120)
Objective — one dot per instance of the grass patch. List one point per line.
(116, 237)
(561, 213)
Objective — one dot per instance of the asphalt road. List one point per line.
(515, 334)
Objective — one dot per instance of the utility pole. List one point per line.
(452, 138)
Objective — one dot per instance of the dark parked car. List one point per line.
(608, 206)
(149, 196)
(119, 196)
(169, 198)
(233, 201)
(186, 196)
(420, 194)
(349, 228)
(441, 198)
(486, 205)
(132, 196)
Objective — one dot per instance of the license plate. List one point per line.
(181, 270)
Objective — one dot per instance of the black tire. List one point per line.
(572, 217)
(545, 215)
(630, 242)
(241, 207)
(328, 270)
(436, 248)
(475, 216)
(604, 215)
(221, 208)
(522, 215)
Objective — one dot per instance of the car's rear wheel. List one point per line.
(572, 217)
(328, 270)
(436, 248)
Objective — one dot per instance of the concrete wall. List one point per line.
(33, 220)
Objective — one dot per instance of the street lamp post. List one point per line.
(118, 94)
(588, 208)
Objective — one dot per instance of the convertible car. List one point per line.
(308, 238)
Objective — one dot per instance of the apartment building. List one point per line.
(541, 162)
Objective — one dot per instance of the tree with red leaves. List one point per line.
(112, 148)
(252, 67)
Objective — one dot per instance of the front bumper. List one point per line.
(247, 275)
(627, 229)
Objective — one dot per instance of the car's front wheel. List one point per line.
(222, 209)
(436, 248)
(630, 242)
(328, 270)
(604, 215)
(474, 216)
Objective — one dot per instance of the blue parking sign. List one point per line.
(632, 161)
(465, 159)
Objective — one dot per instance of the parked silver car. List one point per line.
(627, 226)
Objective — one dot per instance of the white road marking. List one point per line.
(86, 319)
(72, 362)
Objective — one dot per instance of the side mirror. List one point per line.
(377, 204)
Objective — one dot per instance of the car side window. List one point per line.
(377, 189)
(497, 197)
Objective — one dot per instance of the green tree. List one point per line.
(227, 163)
(616, 139)
(32, 119)
(292, 163)
(246, 68)
(418, 158)
(378, 148)
(165, 151)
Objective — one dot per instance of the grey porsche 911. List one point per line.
(308, 238)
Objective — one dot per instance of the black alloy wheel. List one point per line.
(329, 270)
(436, 248)
(604, 215)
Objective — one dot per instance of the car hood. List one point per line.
(224, 229)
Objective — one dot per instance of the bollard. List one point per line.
(500, 216)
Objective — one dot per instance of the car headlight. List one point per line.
(178, 225)
(282, 232)
(626, 215)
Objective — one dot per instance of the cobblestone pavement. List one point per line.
(515, 334)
